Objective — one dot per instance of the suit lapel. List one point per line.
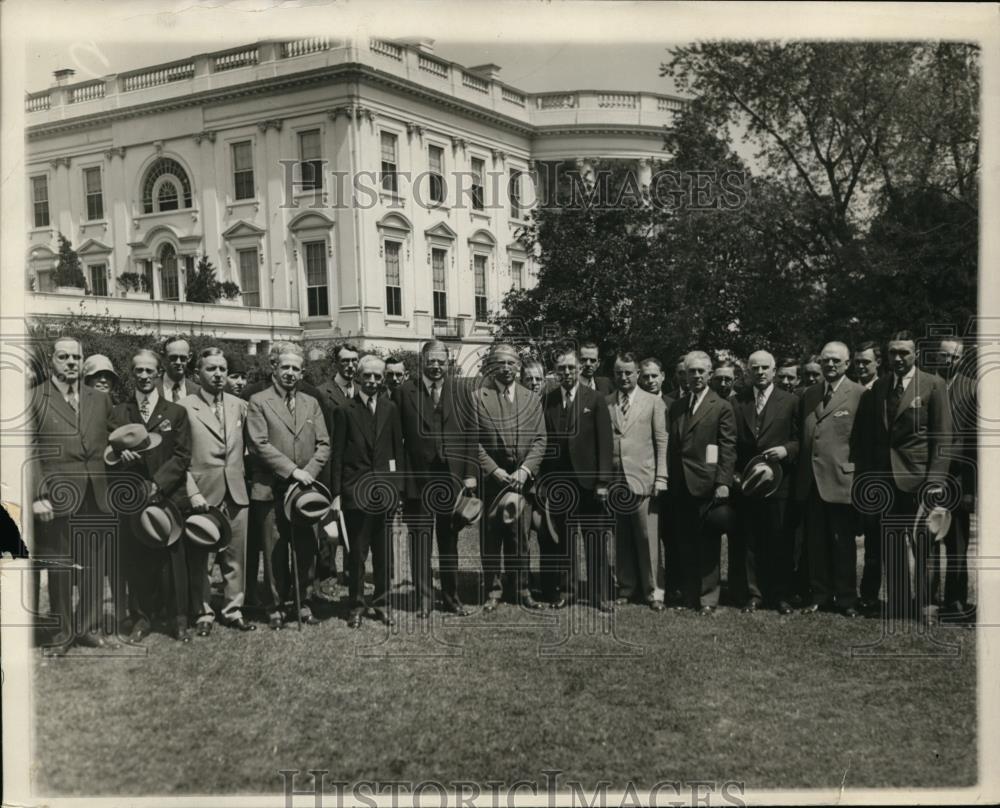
(611, 402)
(207, 416)
(706, 402)
(424, 403)
(907, 398)
(277, 405)
(361, 416)
(381, 417)
(835, 400)
(748, 409)
(491, 404)
(60, 406)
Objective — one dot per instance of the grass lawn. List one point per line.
(767, 700)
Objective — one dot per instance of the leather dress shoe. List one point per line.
(785, 608)
(559, 603)
(385, 615)
(750, 607)
(354, 621)
(456, 607)
(705, 611)
(657, 605)
(850, 611)
(276, 623)
(529, 602)
(139, 631)
(812, 608)
(241, 625)
(184, 635)
(309, 619)
(491, 605)
(622, 601)
(607, 606)
(91, 641)
(204, 628)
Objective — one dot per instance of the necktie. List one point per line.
(176, 393)
(760, 401)
(895, 397)
(217, 406)
(508, 394)
(290, 402)
(71, 397)
(144, 408)
(623, 403)
(828, 395)
(371, 405)
(566, 401)
(435, 393)
(691, 407)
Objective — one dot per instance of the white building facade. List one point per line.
(364, 190)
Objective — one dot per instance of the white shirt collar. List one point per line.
(208, 398)
(835, 385)
(908, 377)
(631, 394)
(429, 385)
(346, 386)
(698, 400)
(168, 385)
(571, 393)
(365, 399)
(152, 397)
(766, 391)
(502, 389)
(63, 387)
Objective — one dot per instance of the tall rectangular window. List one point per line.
(515, 194)
(440, 294)
(99, 280)
(147, 271)
(389, 162)
(95, 198)
(40, 200)
(479, 267)
(249, 278)
(478, 170)
(317, 288)
(310, 160)
(393, 290)
(169, 283)
(435, 159)
(243, 170)
(517, 274)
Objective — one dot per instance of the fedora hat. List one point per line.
(540, 512)
(937, 521)
(133, 437)
(506, 506)
(717, 516)
(209, 529)
(468, 510)
(159, 524)
(753, 482)
(98, 363)
(307, 504)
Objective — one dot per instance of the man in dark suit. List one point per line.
(963, 402)
(175, 385)
(69, 435)
(578, 460)
(509, 430)
(866, 365)
(906, 435)
(823, 482)
(787, 376)
(701, 454)
(439, 458)
(395, 374)
(367, 448)
(287, 436)
(590, 359)
(760, 555)
(157, 577)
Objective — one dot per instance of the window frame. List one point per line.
(316, 184)
(236, 172)
(485, 296)
(389, 170)
(35, 202)
(440, 311)
(393, 292)
(93, 199)
(435, 175)
(322, 246)
(91, 268)
(254, 255)
(478, 200)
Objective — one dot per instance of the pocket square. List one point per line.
(164, 425)
(586, 410)
(838, 413)
(916, 403)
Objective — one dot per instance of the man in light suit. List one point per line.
(578, 456)
(761, 555)
(174, 384)
(216, 479)
(69, 435)
(367, 449)
(701, 454)
(905, 428)
(509, 432)
(823, 482)
(157, 576)
(639, 460)
(290, 443)
(433, 413)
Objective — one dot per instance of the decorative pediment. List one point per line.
(144, 247)
(93, 247)
(41, 253)
(441, 230)
(310, 220)
(484, 238)
(517, 248)
(395, 222)
(245, 230)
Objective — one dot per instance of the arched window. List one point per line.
(169, 282)
(166, 187)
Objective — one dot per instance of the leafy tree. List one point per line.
(201, 285)
(68, 270)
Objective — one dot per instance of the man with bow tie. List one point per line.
(824, 477)
(761, 555)
(288, 438)
(157, 577)
(906, 435)
(433, 413)
(701, 454)
(175, 385)
(216, 479)
(69, 435)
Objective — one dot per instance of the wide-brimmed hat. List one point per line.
(159, 524)
(507, 506)
(235, 364)
(468, 510)
(209, 530)
(717, 516)
(753, 482)
(133, 437)
(937, 521)
(307, 504)
(98, 363)
(541, 514)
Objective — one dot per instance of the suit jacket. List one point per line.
(713, 424)
(416, 414)
(216, 453)
(828, 441)
(963, 403)
(363, 449)
(913, 442)
(166, 464)
(190, 386)
(585, 445)
(640, 443)
(281, 443)
(603, 384)
(68, 453)
(508, 443)
(779, 426)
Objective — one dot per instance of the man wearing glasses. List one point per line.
(175, 385)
